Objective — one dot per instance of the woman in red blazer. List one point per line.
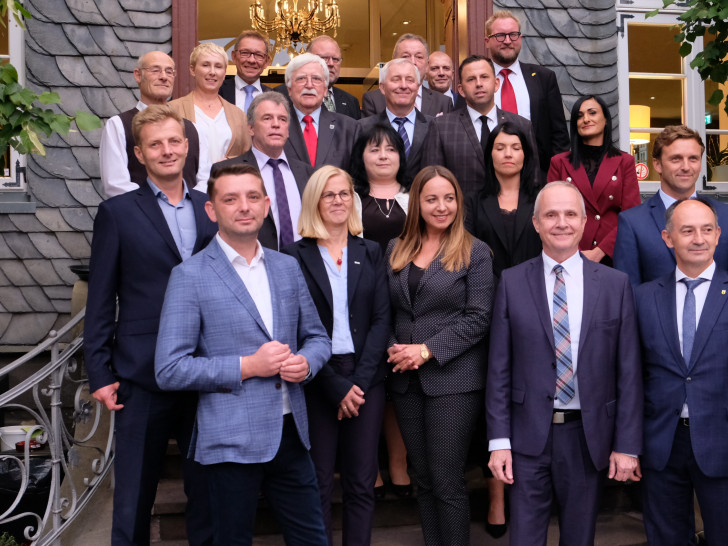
(605, 176)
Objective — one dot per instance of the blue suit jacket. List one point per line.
(522, 363)
(132, 256)
(208, 322)
(640, 251)
(669, 381)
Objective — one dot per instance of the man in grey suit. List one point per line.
(338, 100)
(268, 122)
(431, 103)
(400, 80)
(239, 326)
(251, 56)
(457, 140)
(317, 136)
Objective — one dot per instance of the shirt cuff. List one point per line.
(499, 443)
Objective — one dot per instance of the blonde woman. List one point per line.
(347, 280)
(222, 124)
(441, 285)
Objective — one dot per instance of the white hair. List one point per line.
(302, 60)
(564, 183)
(385, 69)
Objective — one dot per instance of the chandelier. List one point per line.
(293, 26)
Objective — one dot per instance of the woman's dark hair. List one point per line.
(529, 174)
(377, 135)
(577, 144)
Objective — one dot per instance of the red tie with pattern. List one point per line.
(508, 95)
(309, 135)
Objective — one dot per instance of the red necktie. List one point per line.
(508, 96)
(309, 135)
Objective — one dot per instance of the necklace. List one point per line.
(389, 209)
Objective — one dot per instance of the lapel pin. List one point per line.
(357, 263)
(722, 292)
(533, 74)
(331, 126)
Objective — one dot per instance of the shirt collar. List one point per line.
(263, 158)
(316, 114)
(515, 68)
(412, 116)
(475, 115)
(706, 274)
(156, 191)
(668, 200)
(240, 83)
(571, 265)
(232, 255)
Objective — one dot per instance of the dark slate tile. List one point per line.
(4, 281)
(51, 192)
(43, 69)
(62, 306)
(598, 60)
(593, 16)
(60, 163)
(63, 268)
(37, 299)
(104, 71)
(151, 6)
(52, 219)
(85, 192)
(5, 251)
(13, 300)
(50, 38)
(76, 71)
(88, 160)
(43, 272)
(6, 225)
(59, 292)
(99, 102)
(22, 246)
(49, 11)
(86, 12)
(27, 223)
(151, 35)
(78, 218)
(113, 13)
(138, 49)
(5, 318)
(154, 20)
(48, 245)
(28, 328)
(587, 45)
(107, 40)
(562, 50)
(126, 65)
(75, 244)
(81, 37)
(555, 23)
(590, 73)
(17, 273)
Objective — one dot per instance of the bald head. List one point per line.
(154, 75)
(439, 72)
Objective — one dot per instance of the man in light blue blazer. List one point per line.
(239, 326)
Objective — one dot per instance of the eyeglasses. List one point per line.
(157, 70)
(329, 196)
(501, 36)
(243, 54)
(335, 60)
(314, 79)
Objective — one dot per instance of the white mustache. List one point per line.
(309, 92)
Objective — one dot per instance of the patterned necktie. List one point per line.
(688, 318)
(329, 101)
(403, 133)
(562, 340)
(284, 213)
(249, 90)
(484, 132)
(508, 95)
(311, 138)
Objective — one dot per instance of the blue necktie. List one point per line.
(284, 213)
(565, 390)
(403, 133)
(688, 318)
(249, 90)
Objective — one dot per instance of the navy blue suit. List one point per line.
(678, 459)
(132, 256)
(640, 251)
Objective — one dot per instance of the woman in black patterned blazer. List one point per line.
(441, 285)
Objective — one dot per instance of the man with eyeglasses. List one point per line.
(413, 48)
(120, 170)
(316, 136)
(337, 100)
(251, 56)
(528, 90)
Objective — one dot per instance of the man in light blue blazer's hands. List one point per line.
(239, 326)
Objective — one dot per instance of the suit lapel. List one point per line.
(201, 218)
(666, 310)
(327, 128)
(714, 303)
(592, 287)
(418, 136)
(534, 91)
(607, 168)
(296, 146)
(580, 179)
(356, 255)
(467, 124)
(404, 284)
(523, 216)
(657, 211)
(538, 295)
(492, 211)
(147, 201)
(313, 261)
(299, 173)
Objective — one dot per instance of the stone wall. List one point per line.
(85, 51)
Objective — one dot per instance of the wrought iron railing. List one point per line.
(75, 433)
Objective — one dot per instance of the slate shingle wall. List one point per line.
(86, 52)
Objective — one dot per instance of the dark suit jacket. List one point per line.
(640, 251)
(615, 189)
(369, 314)
(227, 90)
(268, 234)
(346, 103)
(452, 143)
(433, 103)
(522, 363)
(669, 381)
(484, 220)
(132, 256)
(547, 112)
(415, 160)
(451, 315)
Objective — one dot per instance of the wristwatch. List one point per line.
(424, 352)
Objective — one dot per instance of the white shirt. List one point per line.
(255, 279)
(478, 124)
(668, 200)
(217, 132)
(574, 283)
(114, 162)
(418, 100)
(518, 81)
(409, 126)
(240, 94)
(292, 193)
(701, 293)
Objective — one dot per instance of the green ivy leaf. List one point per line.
(86, 121)
(49, 97)
(685, 49)
(716, 98)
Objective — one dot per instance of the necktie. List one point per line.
(249, 90)
(688, 319)
(484, 132)
(311, 138)
(508, 96)
(562, 340)
(403, 133)
(329, 101)
(285, 236)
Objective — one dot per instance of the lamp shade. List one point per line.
(639, 116)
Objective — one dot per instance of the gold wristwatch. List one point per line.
(425, 352)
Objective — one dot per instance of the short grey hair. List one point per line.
(302, 60)
(385, 69)
(564, 183)
(271, 96)
(410, 36)
(671, 211)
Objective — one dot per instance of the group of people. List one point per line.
(279, 277)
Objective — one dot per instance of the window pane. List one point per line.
(663, 97)
(404, 17)
(716, 145)
(652, 48)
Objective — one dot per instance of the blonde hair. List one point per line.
(503, 14)
(310, 223)
(154, 113)
(456, 243)
(207, 47)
